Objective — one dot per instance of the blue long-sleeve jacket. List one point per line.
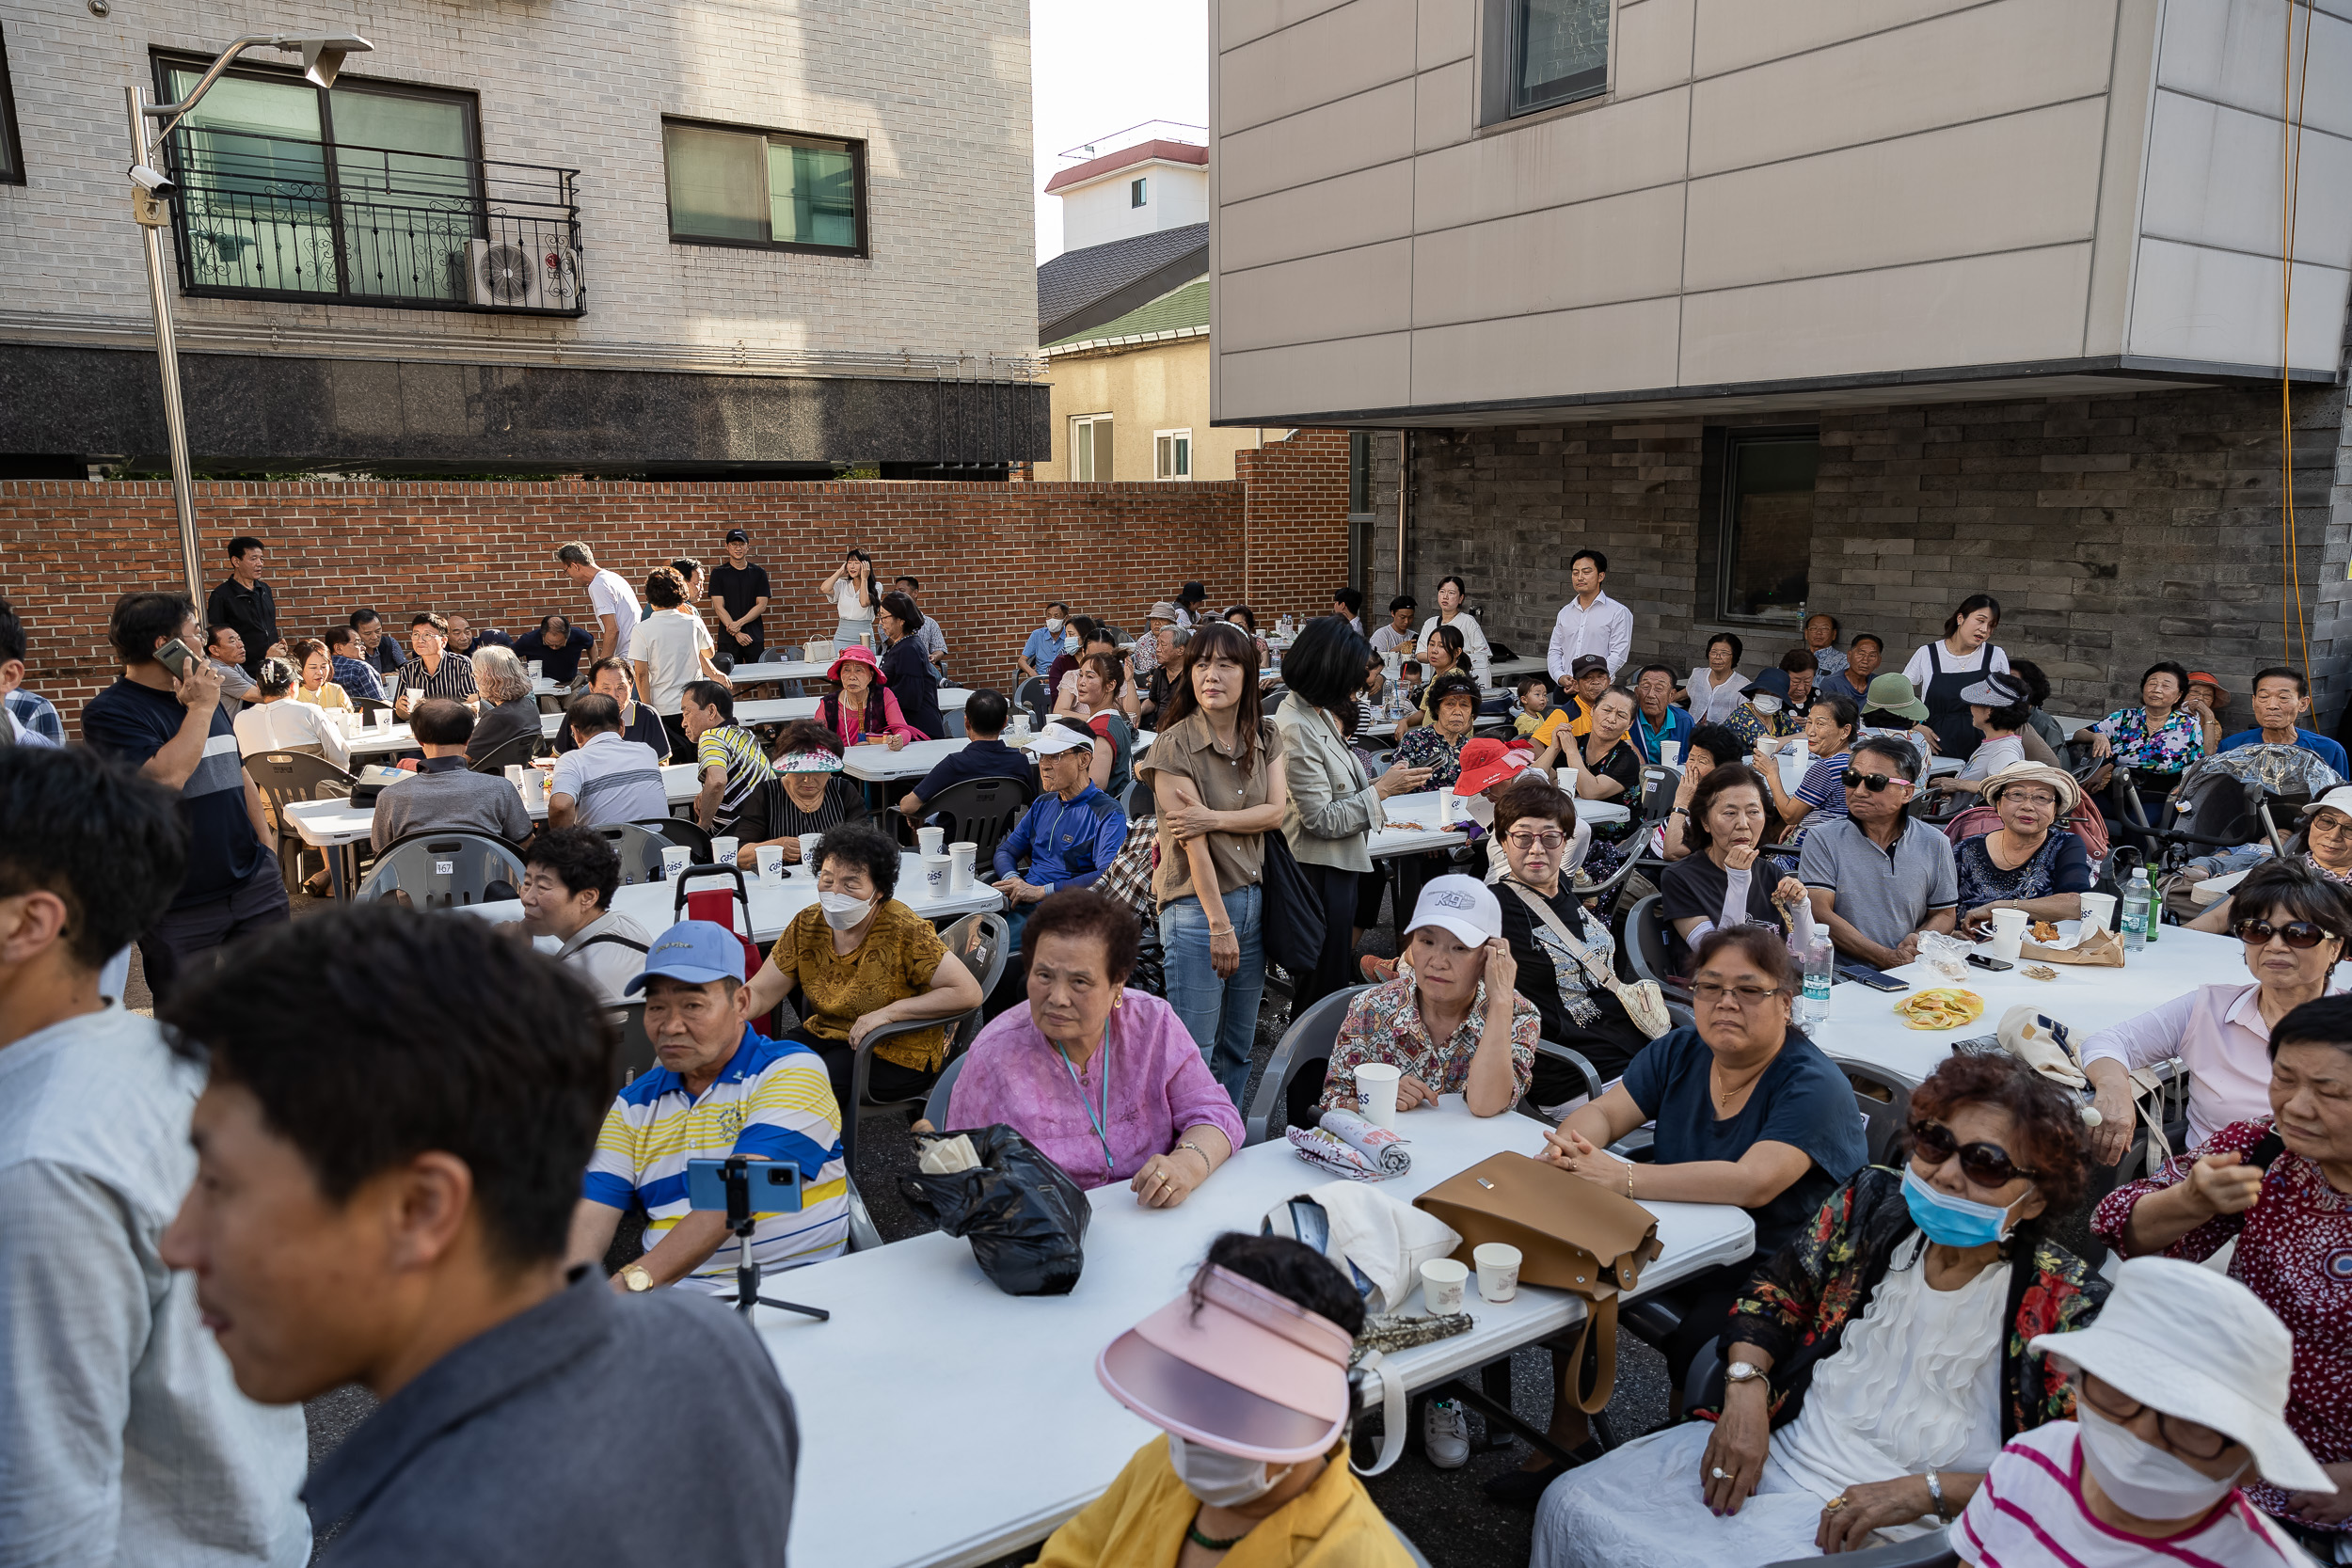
(1068, 843)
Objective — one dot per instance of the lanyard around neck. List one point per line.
(1101, 1123)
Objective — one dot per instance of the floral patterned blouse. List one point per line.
(1384, 1025)
(1801, 1299)
(2294, 1251)
(1425, 747)
(1751, 727)
(2177, 742)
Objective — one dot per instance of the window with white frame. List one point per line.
(1171, 454)
(1091, 447)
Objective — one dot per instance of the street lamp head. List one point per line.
(322, 58)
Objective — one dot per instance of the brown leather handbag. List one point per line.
(1571, 1236)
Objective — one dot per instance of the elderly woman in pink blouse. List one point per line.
(1103, 1080)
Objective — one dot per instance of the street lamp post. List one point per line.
(151, 191)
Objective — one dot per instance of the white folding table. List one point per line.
(653, 905)
(917, 1330)
(881, 764)
(1412, 824)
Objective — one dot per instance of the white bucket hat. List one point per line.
(2190, 1342)
(1462, 904)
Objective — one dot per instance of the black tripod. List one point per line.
(738, 1181)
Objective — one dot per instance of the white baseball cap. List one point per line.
(2190, 1342)
(1059, 736)
(1462, 904)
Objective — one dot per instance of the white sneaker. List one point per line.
(1445, 1433)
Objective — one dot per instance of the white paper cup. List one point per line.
(1448, 808)
(1567, 779)
(2009, 933)
(1375, 1092)
(770, 863)
(514, 775)
(933, 841)
(673, 859)
(808, 851)
(724, 850)
(961, 858)
(2099, 910)
(937, 869)
(1498, 1270)
(533, 668)
(1670, 753)
(1442, 1284)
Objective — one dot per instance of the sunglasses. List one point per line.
(2301, 935)
(1986, 1164)
(1875, 783)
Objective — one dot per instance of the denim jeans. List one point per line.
(1221, 1014)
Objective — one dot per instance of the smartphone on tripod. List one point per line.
(775, 1185)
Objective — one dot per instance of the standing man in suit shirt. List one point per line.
(245, 602)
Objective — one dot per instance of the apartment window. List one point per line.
(11, 153)
(1171, 454)
(1541, 54)
(1137, 191)
(1091, 447)
(1765, 552)
(773, 189)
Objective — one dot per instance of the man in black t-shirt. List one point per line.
(172, 730)
(557, 647)
(738, 592)
(245, 602)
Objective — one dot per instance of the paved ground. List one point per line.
(1443, 1511)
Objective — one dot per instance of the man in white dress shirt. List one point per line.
(1592, 623)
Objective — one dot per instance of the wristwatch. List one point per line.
(636, 1277)
(1746, 1371)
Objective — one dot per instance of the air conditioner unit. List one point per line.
(503, 274)
(559, 278)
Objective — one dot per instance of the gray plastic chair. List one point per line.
(442, 871)
(1577, 1062)
(284, 778)
(637, 1053)
(638, 848)
(1884, 1120)
(935, 1108)
(1306, 1046)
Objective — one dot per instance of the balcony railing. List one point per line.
(277, 218)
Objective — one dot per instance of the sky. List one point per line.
(1097, 66)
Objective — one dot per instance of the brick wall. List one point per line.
(2115, 532)
(988, 555)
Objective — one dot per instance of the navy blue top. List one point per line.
(980, 759)
(560, 665)
(1801, 1100)
(131, 723)
(914, 682)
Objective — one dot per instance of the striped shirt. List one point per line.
(611, 779)
(455, 678)
(737, 750)
(2030, 1509)
(771, 1099)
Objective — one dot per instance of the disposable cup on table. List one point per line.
(724, 850)
(1567, 779)
(961, 858)
(2009, 933)
(933, 840)
(533, 668)
(1670, 753)
(938, 870)
(673, 859)
(771, 862)
(1442, 1285)
(1375, 1092)
(2099, 910)
(1498, 1270)
(808, 851)
(1448, 808)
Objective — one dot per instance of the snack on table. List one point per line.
(2044, 930)
(1941, 1008)
(2039, 972)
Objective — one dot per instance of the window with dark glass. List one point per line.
(1358, 472)
(11, 150)
(1559, 52)
(729, 186)
(1138, 192)
(1764, 551)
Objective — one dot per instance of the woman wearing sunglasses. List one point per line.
(2280, 1186)
(1749, 1112)
(1875, 1363)
(2293, 922)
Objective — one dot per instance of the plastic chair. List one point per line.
(1141, 800)
(979, 811)
(935, 1107)
(442, 871)
(1884, 1119)
(984, 942)
(1577, 1062)
(284, 778)
(678, 830)
(1031, 694)
(637, 1053)
(1285, 1090)
(861, 1065)
(1410, 1550)
(512, 755)
(638, 848)
(1645, 948)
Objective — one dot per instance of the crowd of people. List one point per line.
(211, 1219)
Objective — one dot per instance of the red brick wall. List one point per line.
(988, 555)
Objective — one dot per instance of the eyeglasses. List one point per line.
(2181, 1436)
(1875, 783)
(2031, 797)
(1748, 996)
(1986, 1164)
(2330, 823)
(2301, 935)
(1524, 841)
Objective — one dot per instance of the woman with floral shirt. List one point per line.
(1452, 708)
(2158, 740)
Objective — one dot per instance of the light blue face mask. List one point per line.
(1953, 1221)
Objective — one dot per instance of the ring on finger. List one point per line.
(1835, 1503)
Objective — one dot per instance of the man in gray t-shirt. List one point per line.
(1879, 880)
(446, 795)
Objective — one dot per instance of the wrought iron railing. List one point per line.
(279, 217)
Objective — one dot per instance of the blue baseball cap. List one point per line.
(694, 951)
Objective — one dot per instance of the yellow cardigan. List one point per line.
(1139, 1523)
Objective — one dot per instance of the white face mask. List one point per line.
(1220, 1480)
(1766, 706)
(1053, 623)
(843, 913)
(2142, 1479)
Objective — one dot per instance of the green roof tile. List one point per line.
(1171, 312)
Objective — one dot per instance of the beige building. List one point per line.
(1131, 398)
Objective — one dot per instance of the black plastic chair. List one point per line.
(690, 837)
(637, 1053)
(1293, 1079)
(1578, 1063)
(979, 811)
(1884, 1101)
(513, 753)
(1645, 949)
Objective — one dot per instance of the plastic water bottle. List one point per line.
(1818, 959)
(2137, 897)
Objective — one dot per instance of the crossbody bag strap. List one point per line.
(1550, 917)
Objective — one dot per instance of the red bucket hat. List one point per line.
(1486, 762)
(856, 653)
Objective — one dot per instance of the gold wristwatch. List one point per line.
(636, 1279)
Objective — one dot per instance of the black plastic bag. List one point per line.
(1024, 1215)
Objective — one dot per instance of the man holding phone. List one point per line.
(737, 1092)
(163, 717)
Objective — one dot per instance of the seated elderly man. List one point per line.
(443, 794)
(984, 755)
(723, 1089)
(433, 672)
(606, 778)
(568, 879)
(1071, 833)
(510, 712)
(2281, 700)
(556, 647)
(1879, 881)
(732, 766)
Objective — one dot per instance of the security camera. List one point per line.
(154, 181)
